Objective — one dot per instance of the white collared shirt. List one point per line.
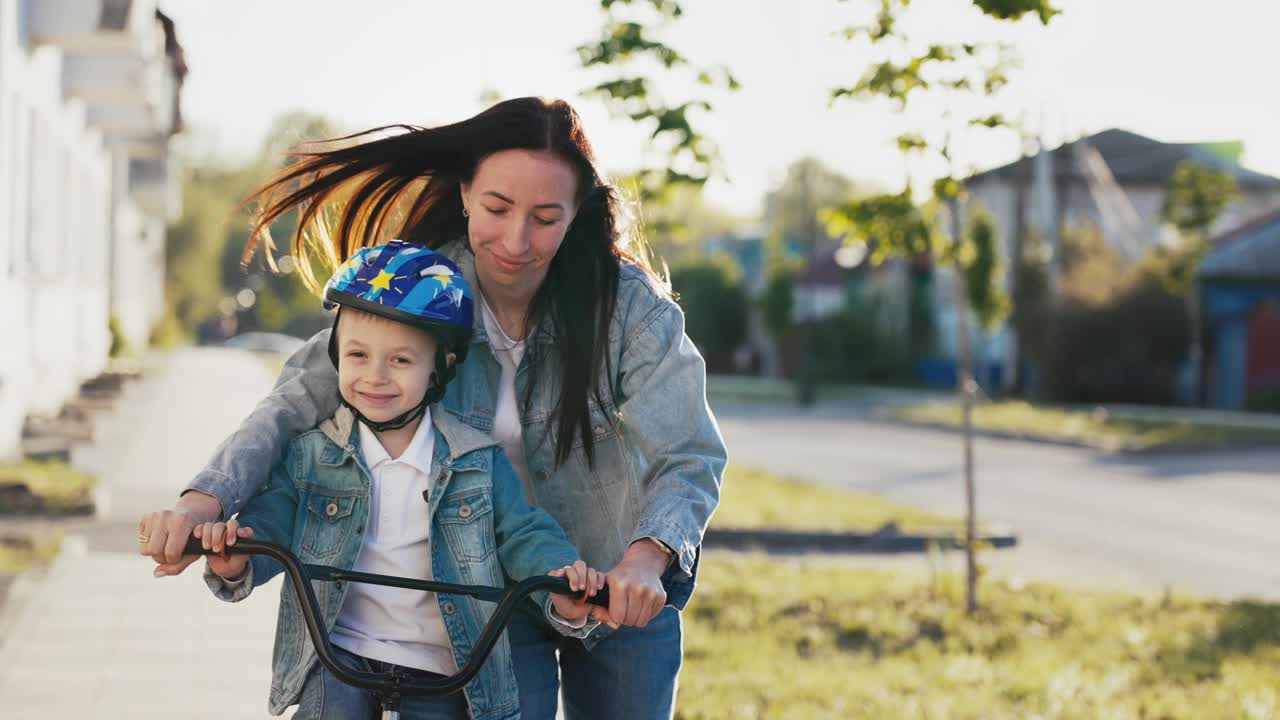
(396, 625)
(506, 420)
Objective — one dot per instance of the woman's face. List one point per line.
(520, 203)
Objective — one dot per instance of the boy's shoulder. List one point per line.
(333, 437)
(458, 442)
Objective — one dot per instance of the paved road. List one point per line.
(1205, 522)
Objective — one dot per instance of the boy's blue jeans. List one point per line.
(630, 675)
(325, 696)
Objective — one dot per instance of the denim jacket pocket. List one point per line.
(466, 518)
(326, 526)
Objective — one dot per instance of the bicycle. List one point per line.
(390, 687)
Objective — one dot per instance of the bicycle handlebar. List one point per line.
(393, 682)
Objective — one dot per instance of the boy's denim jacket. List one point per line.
(481, 526)
(659, 456)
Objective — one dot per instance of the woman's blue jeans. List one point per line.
(630, 675)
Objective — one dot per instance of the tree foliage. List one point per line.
(1196, 197)
(203, 272)
(973, 73)
(984, 271)
(792, 208)
(710, 293)
(629, 45)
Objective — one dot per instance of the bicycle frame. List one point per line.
(391, 686)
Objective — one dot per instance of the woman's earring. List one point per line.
(466, 213)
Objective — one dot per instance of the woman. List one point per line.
(579, 366)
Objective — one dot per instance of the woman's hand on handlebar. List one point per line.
(162, 535)
(216, 536)
(636, 595)
(581, 578)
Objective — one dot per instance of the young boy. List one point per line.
(387, 486)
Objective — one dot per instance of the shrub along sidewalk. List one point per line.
(44, 488)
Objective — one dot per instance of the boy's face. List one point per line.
(384, 367)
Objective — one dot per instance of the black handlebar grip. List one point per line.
(195, 546)
(601, 598)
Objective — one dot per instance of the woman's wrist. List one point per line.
(651, 552)
(199, 506)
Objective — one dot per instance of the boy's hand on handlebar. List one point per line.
(216, 536)
(580, 577)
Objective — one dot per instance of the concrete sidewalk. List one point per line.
(97, 635)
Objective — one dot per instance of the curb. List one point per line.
(1114, 448)
(790, 541)
(887, 419)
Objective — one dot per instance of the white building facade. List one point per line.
(88, 183)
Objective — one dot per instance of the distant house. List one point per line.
(1114, 180)
(1082, 194)
(1240, 285)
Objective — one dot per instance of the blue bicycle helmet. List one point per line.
(414, 285)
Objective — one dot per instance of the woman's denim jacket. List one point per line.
(659, 456)
(481, 526)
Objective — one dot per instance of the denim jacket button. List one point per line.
(464, 511)
(540, 475)
(599, 429)
(449, 608)
(331, 509)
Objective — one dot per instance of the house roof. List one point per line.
(1249, 252)
(1138, 160)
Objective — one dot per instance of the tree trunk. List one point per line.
(1196, 351)
(965, 387)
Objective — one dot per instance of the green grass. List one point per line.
(1093, 428)
(814, 639)
(55, 487)
(19, 552)
(754, 499)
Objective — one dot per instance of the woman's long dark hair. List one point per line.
(367, 188)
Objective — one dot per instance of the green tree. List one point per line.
(629, 45)
(792, 208)
(1194, 200)
(778, 301)
(984, 271)
(711, 295)
(204, 247)
(677, 219)
(964, 78)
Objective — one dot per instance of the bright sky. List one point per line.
(1176, 71)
